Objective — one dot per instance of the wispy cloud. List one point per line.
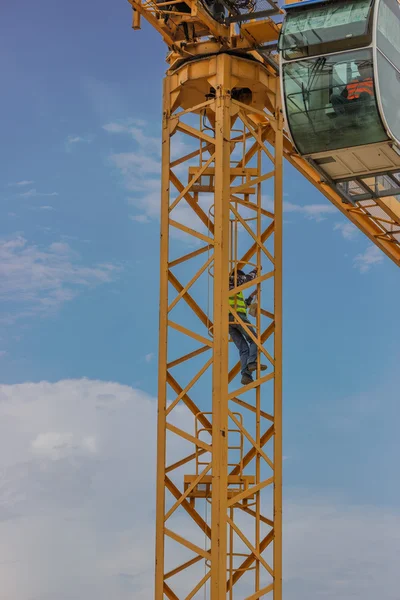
(148, 144)
(33, 193)
(138, 130)
(124, 126)
(140, 218)
(149, 357)
(38, 281)
(148, 205)
(21, 183)
(347, 229)
(140, 172)
(73, 140)
(315, 212)
(46, 207)
(364, 261)
(133, 165)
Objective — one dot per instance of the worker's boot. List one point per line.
(253, 367)
(246, 379)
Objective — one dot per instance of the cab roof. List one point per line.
(306, 3)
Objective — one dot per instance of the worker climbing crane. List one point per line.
(248, 85)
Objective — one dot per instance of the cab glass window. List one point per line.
(340, 25)
(330, 102)
(389, 86)
(388, 30)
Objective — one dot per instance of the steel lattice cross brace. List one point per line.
(219, 474)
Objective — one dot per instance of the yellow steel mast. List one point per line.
(219, 445)
(220, 469)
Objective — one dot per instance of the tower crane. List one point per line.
(248, 85)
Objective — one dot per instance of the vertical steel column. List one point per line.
(163, 345)
(278, 210)
(221, 311)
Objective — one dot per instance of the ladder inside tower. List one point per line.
(200, 485)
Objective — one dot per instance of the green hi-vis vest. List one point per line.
(237, 302)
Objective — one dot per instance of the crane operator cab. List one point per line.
(340, 64)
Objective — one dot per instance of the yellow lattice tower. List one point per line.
(229, 467)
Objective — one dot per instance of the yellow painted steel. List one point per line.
(206, 489)
(219, 496)
(218, 518)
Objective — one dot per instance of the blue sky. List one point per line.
(81, 96)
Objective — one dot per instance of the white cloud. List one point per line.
(140, 218)
(347, 229)
(60, 248)
(124, 126)
(141, 170)
(76, 139)
(364, 261)
(116, 128)
(138, 130)
(318, 212)
(150, 203)
(32, 193)
(29, 194)
(147, 143)
(77, 494)
(315, 212)
(39, 280)
(56, 445)
(45, 207)
(149, 357)
(77, 480)
(71, 139)
(137, 171)
(21, 183)
(132, 165)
